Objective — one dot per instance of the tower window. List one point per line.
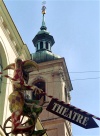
(46, 45)
(66, 94)
(49, 46)
(41, 45)
(37, 47)
(40, 84)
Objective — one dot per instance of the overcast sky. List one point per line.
(74, 25)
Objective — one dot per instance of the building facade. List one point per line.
(11, 46)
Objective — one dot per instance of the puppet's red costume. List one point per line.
(16, 98)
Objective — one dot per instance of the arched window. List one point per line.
(41, 45)
(0, 71)
(40, 84)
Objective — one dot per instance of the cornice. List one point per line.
(7, 33)
(62, 63)
(9, 22)
(12, 31)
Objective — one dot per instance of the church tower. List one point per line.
(53, 78)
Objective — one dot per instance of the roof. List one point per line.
(43, 56)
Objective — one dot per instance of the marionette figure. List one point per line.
(16, 98)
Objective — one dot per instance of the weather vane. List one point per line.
(43, 7)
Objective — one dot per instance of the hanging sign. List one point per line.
(71, 114)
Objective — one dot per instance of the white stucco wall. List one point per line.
(8, 52)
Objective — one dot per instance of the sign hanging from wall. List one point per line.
(71, 114)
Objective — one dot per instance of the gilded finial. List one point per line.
(43, 7)
(43, 27)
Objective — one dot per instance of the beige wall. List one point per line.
(9, 50)
(8, 56)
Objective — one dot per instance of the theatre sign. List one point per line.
(71, 114)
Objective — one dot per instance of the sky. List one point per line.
(74, 25)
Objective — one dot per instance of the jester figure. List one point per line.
(19, 84)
